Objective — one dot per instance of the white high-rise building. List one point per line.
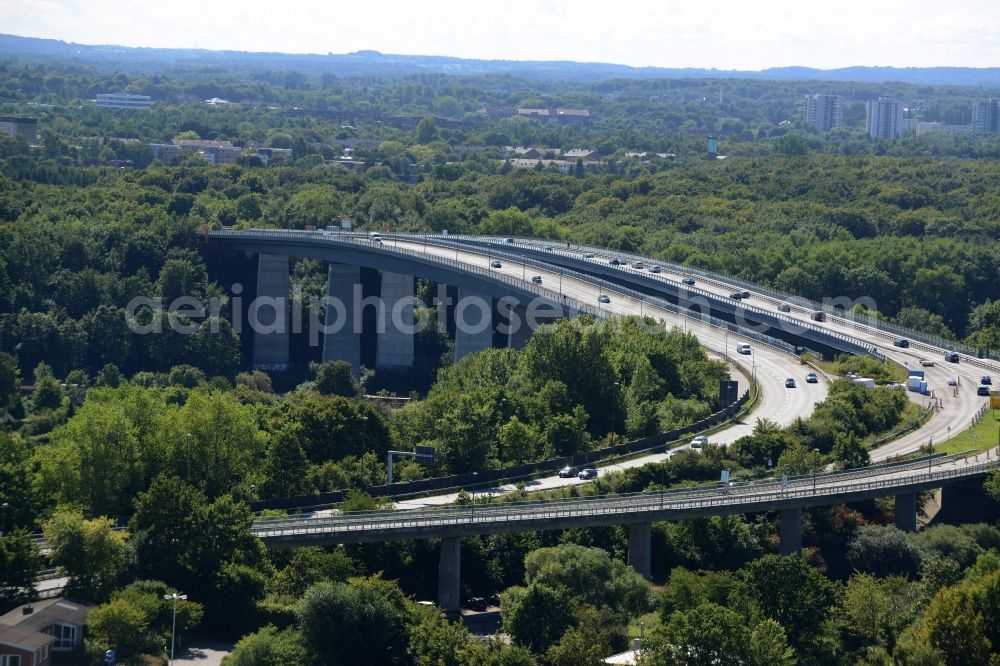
(824, 112)
(986, 116)
(885, 118)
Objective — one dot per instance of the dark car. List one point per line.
(983, 390)
(986, 380)
(745, 294)
(603, 298)
(901, 342)
(789, 383)
(477, 604)
(494, 600)
(736, 295)
(614, 261)
(496, 264)
(688, 280)
(587, 474)
(568, 472)
(509, 241)
(784, 307)
(537, 279)
(951, 357)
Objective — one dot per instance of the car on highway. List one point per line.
(951, 357)
(983, 390)
(744, 349)
(784, 307)
(603, 298)
(638, 265)
(790, 382)
(688, 280)
(952, 381)
(812, 378)
(699, 441)
(496, 264)
(547, 248)
(587, 474)
(736, 295)
(588, 255)
(818, 315)
(494, 599)
(901, 342)
(377, 240)
(614, 261)
(568, 472)
(537, 279)
(654, 269)
(744, 294)
(986, 380)
(509, 241)
(477, 604)
(926, 363)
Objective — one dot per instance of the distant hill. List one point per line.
(374, 63)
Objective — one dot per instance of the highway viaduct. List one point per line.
(637, 511)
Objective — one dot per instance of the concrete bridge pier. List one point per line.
(342, 339)
(640, 549)
(791, 531)
(395, 343)
(268, 316)
(473, 323)
(518, 330)
(449, 576)
(906, 512)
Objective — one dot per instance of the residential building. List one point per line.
(30, 633)
(165, 152)
(542, 114)
(572, 115)
(922, 128)
(123, 101)
(824, 112)
(267, 154)
(216, 152)
(582, 154)
(884, 118)
(24, 127)
(986, 116)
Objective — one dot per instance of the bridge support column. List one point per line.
(791, 531)
(518, 330)
(906, 512)
(473, 323)
(395, 343)
(449, 576)
(342, 339)
(639, 549)
(268, 316)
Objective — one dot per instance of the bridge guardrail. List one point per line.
(803, 493)
(627, 270)
(858, 318)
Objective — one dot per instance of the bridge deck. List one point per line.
(824, 489)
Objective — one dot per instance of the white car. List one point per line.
(699, 441)
(744, 349)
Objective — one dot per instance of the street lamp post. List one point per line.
(474, 476)
(814, 475)
(173, 596)
(614, 417)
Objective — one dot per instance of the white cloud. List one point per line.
(673, 33)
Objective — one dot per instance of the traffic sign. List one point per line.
(425, 455)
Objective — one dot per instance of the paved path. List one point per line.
(203, 653)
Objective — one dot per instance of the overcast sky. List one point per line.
(726, 34)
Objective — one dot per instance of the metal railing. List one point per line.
(497, 248)
(858, 321)
(801, 491)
